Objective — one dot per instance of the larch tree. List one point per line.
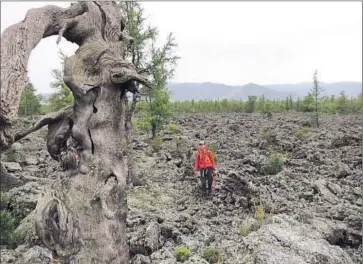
(63, 96)
(157, 63)
(29, 101)
(316, 92)
(80, 217)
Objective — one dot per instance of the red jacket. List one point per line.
(208, 163)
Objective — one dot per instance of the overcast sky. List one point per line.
(236, 42)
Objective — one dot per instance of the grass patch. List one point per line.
(260, 213)
(214, 147)
(182, 253)
(156, 144)
(173, 128)
(13, 155)
(245, 230)
(265, 132)
(260, 219)
(276, 163)
(302, 134)
(142, 126)
(212, 255)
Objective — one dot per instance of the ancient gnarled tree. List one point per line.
(81, 217)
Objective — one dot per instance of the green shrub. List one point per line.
(275, 164)
(156, 144)
(158, 141)
(13, 207)
(306, 123)
(265, 132)
(182, 253)
(143, 126)
(245, 230)
(11, 213)
(13, 155)
(7, 228)
(302, 134)
(214, 147)
(212, 255)
(173, 128)
(260, 213)
(260, 219)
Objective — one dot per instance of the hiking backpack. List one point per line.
(204, 159)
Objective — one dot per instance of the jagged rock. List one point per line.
(196, 260)
(36, 255)
(167, 156)
(12, 166)
(7, 180)
(17, 146)
(288, 242)
(318, 189)
(152, 237)
(342, 170)
(140, 259)
(345, 140)
(31, 160)
(163, 256)
(7, 256)
(335, 188)
(299, 154)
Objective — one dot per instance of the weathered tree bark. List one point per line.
(81, 217)
(17, 42)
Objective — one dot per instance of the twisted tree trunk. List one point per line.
(82, 216)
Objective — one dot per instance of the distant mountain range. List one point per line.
(205, 91)
(213, 91)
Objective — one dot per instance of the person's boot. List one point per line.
(208, 193)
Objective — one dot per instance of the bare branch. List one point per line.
(46, 120)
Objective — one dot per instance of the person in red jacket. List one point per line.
(205, 163)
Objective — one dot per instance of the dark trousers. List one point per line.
(206, 177)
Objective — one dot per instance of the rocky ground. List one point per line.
(302, 206)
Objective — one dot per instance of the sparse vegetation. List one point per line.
(142, 125)
(173, 128)
(260, 213)
(212, 255)
(260, 218)
(265, 132)
(7, 228)
(275, 164)
(182, 253)
(302, 134)
(213, 146)
(245, 230)
(10, 217)
(12, 155)
(156, 144)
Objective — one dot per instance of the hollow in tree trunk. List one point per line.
(81, 216)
